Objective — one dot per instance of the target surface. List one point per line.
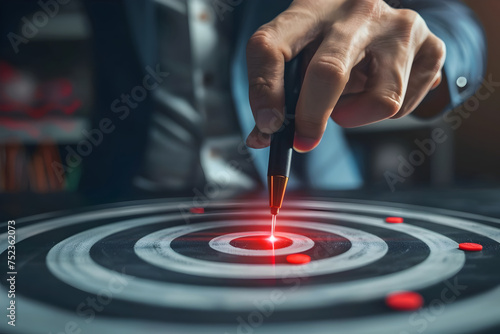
(157, 266)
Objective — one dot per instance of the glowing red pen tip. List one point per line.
(277, 186)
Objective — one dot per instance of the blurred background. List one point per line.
(48, 89)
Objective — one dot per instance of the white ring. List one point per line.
(74, 266)
(155, 248)
(458, 316)
(222, 243)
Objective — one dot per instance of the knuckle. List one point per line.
(434, 67)
(259, 85)
(438, 51)
(341, 31)
(389, 103)
(408, 16)
(263, 58)
(406, 24)
(433, 56)
(329, 69)
(370, 8)
(261, 42)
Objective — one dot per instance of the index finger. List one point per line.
(325, 80)
(267, 51)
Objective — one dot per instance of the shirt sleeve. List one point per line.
(457, 26)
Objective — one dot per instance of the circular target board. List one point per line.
(161, 267)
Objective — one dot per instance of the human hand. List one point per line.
(364, 62)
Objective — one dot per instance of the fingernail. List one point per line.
(258, 140)
(250, 142)
(267, 120)
(263, 140)
(304, 144)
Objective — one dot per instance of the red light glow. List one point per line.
(261, 242)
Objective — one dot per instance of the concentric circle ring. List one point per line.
(458, 316)
(76, 268)
(155, 249)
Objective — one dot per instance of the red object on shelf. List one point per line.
(197, 210)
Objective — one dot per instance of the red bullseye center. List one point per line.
(260, 242)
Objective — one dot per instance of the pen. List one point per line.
(280, 154)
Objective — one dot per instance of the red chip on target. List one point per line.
(394, 220)
(404, 301)
(469, 246)
(298, 258)
(197, 210)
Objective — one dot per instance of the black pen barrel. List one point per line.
(280, 155)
